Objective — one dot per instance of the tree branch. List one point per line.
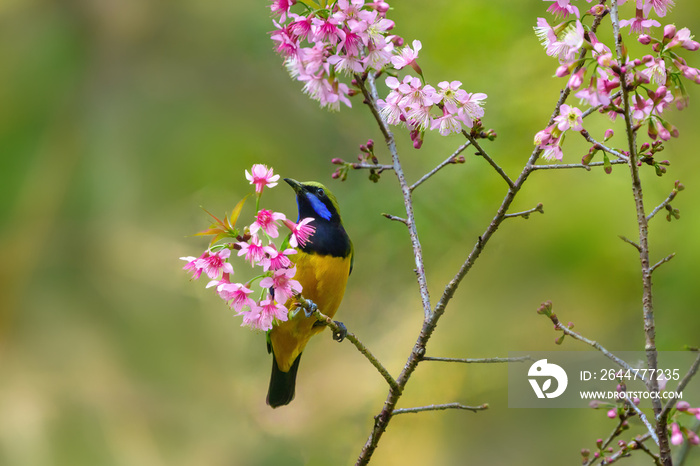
(681, 386)
(558, 166)
(441, 408)
(642, 416)
(478, 360)
(526, 214)
(447, 161)
(668, 200)
(482, 153)
(358, 344)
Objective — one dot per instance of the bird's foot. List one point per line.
(309, 307)
(341, 333)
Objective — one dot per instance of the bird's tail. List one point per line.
(281, 391)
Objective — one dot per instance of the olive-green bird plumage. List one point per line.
(323, 265)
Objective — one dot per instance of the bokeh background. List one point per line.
(120, 118)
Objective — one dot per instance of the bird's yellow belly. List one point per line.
(323, 280)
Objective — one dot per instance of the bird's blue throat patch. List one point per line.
(319, 206)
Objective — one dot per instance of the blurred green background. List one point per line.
(119, 118)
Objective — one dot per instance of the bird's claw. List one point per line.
(309, 307)
(341, 333)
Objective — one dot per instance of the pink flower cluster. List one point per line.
(346, 37)
(654, 80)
(351, 37)
(679, 433)
(411, 103)
(255, 245)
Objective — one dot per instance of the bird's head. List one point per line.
(314, 200)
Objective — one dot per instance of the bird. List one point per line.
(323, 265)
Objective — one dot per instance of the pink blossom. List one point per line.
(301, 232)
(569, 117)
(237, 293)
(471, 107)
(253, 251)
(325, 31)
(261, 177)
(448, 122)
(192, 266)
(656, 71)
(417, 95)
(562, 8)
(379, 54)
(641, 108)
(300, 28)
(639, 24)
(695, 411)
(451, 92)
(281, 7)
(684, 39)
(612, 414)
(659, 6)
(350, 42)
(256, 319)
(283, 284)
(576, 79)
(545, 33)
(390, 109)
(693, 438)
(676, 435)
(568, 43)
(552, 151)
(275, 260)
(215, 263)
(266, 220)
(407, 56)
(348, 9)
(273, 309)
(348, 64)
(375, 27)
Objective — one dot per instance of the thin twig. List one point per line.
(443, 164)
(642, 416)
(441, 408)
(482, 153)
(646, 450)
(662, 261)
(603, 147)
(594, 344)
(629, 241)
(395, 218)
(558, 166)
(478, 360)
(526, 214)
(359, 345)
(372, 166)
(668, 200)
(681, 386)
(647, 296)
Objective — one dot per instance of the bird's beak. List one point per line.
(296, 186)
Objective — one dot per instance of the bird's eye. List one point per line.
(320, 192)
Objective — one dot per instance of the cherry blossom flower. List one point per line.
(192, 266)
(274, 310)
(266, 220)
(261, 177)
(390, 109)
(569, 117)
(237, 293)
(256, 319)
(639, 24)
(449, 122)
(408, 56)
(281, 7)
(215, 263)
(562, 8)
(275, 259)
(283, 283)
(659, 6)
(676, 435)
(253, 251)
(301, 232)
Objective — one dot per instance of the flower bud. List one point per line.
(608, 134)
(644, 39)
(669, 32)
(562, 71)
(337, 161)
